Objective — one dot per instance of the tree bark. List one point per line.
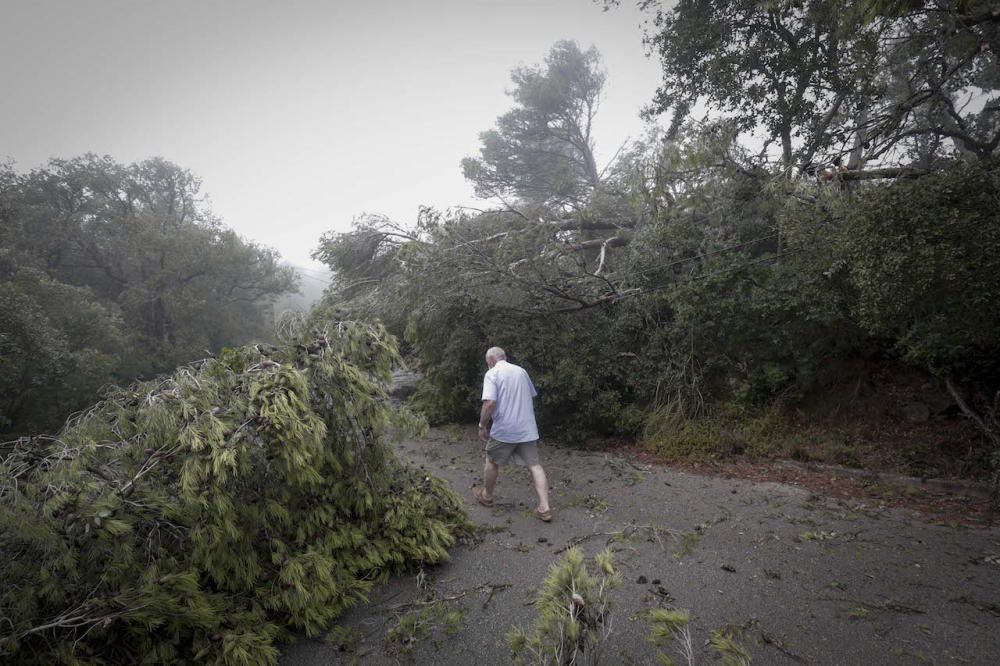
(876, 174)
(854, 159)
(786, 149)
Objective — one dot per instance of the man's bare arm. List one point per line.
(486, 413)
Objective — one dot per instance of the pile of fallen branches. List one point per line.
(207, 515)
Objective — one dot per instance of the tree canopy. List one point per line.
(127, 271)
(870, 81)
(542, 151)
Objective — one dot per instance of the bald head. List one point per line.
(494, 354)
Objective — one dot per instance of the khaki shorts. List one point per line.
(501, 453)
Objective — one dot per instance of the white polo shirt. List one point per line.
(514, 414)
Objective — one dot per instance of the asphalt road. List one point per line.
(805, 579)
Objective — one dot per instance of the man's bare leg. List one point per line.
(490, 471)
(541, 487)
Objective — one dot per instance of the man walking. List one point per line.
(513, 435)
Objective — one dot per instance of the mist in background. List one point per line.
(297, 115)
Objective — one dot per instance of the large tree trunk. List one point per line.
(593, 177)
(860, 134)
(786, 149)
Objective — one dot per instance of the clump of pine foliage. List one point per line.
(670, 629)
(573, 613)
(207, 515)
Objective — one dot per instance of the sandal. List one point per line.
(544, 516)
(477, 493)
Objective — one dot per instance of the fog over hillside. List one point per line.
(312, 282)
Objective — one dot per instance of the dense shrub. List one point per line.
(924, 256)
(58, 346)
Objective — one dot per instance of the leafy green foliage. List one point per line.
(786, 67)
(205, 515)
(875, 79)
(461, 284)
(573, 610)
(731, 303)
(58, 346)
(138, 243)
(925, 257)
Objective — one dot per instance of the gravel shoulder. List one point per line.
(806, 578)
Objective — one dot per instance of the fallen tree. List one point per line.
(207, 515)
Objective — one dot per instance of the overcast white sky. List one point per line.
(298, 115)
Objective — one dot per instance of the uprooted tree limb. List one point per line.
(207, 515)
(988, 424)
